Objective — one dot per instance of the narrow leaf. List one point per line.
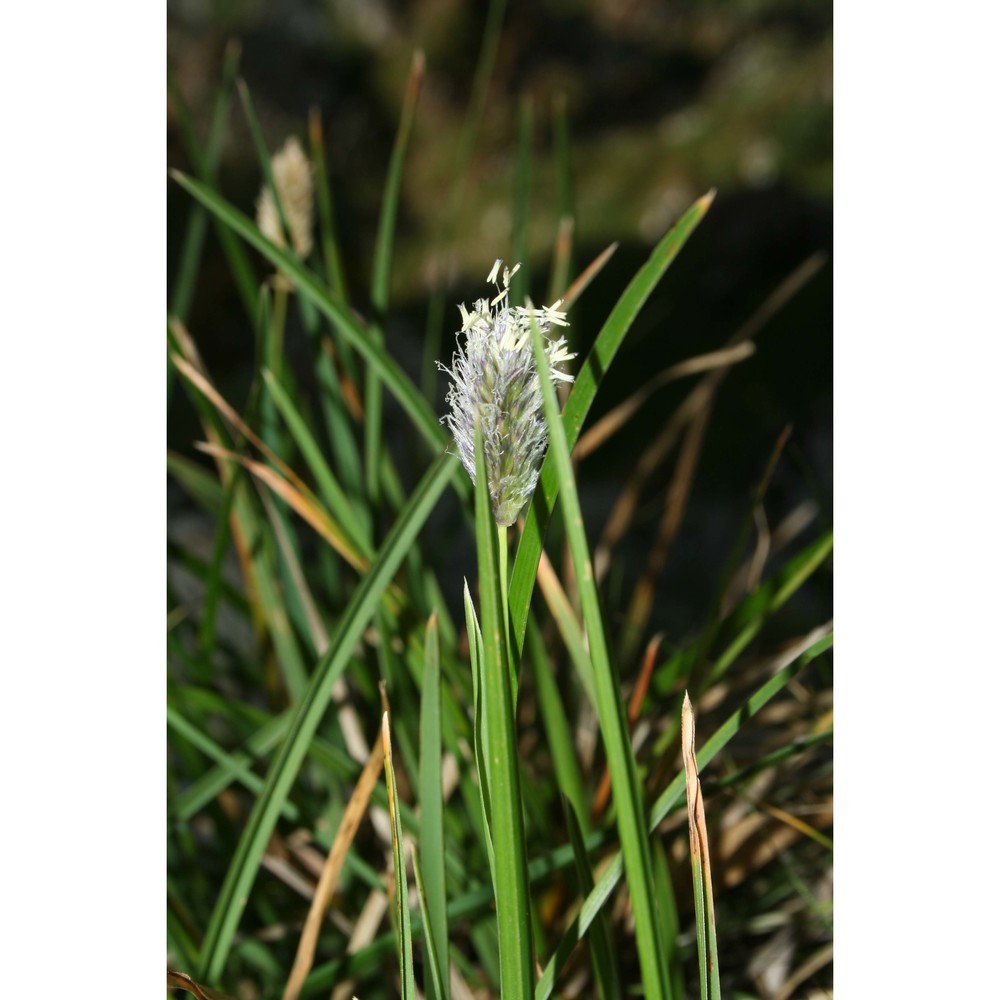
(308, 713)
(701, 867)
(650, 939)
(602, 953)
(354, 812)
(432, 810)
(404, 939)
(665, 804)
(579, 402)
(381, 270)
(438, 981)
(309, 286)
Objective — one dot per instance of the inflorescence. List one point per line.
(495, 378)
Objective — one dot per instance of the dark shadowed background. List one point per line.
(664, 102)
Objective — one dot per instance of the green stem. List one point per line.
(276, 342)
(273, 351)
(513, 898)
(504, 607)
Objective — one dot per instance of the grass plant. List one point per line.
(489, 861)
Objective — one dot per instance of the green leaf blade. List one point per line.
(579, 402)
(650, 938)
(432, 814)
(417, 408)
(308, 713)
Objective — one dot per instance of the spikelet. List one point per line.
(293, 179)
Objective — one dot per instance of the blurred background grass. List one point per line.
(664, 102)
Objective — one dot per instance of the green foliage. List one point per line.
(328, 579)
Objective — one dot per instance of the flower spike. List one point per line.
(495, 378)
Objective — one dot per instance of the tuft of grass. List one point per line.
(328, 580)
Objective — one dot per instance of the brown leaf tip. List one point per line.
(705, 201)
(687, 727)
(386, 743)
